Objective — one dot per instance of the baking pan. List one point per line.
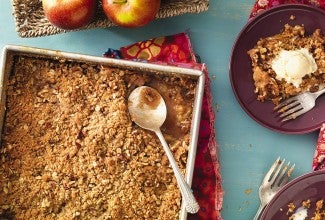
(7, 64)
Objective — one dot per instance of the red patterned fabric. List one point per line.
(319, 156)
(177, 50)
(169, 49)
(261, 5)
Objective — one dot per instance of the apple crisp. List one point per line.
(70, 150)
(318, 214)
(290, 52)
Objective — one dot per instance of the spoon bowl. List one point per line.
(148, 110)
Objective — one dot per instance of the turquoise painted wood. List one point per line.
(246, 149)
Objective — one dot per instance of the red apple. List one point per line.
(131, 13)
(69, 14)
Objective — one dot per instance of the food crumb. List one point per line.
(248, 191)
(217, 107)
(291, 208)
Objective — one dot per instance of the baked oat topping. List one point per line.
(306, 205)
(70, 151)
(268, 86)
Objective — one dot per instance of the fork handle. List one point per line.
(258, 213)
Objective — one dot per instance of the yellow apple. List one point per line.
(131, 13)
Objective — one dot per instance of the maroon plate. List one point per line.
(309, 186)
(266, 24)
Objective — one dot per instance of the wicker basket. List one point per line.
(31, 22)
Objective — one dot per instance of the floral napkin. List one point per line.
(261, 5)
(319, 156)
(176, 50)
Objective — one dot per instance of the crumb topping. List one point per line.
(70, 151)
(318, 214)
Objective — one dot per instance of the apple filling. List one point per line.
(70, 150)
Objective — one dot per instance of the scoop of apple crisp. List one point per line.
(288, 63)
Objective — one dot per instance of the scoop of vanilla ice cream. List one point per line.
(300, 214)
(293, 65)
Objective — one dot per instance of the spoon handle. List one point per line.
(189, 200)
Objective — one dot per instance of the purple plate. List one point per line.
(266, 24)
(309, 186)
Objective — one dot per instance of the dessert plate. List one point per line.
(309, 186)
(266, 24)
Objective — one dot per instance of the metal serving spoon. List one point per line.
(148, 110)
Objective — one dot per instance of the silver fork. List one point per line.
(297, 105)
(272, 182)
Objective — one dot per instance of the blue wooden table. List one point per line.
(246, 149)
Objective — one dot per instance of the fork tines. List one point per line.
(273, 174)
(289, 109)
